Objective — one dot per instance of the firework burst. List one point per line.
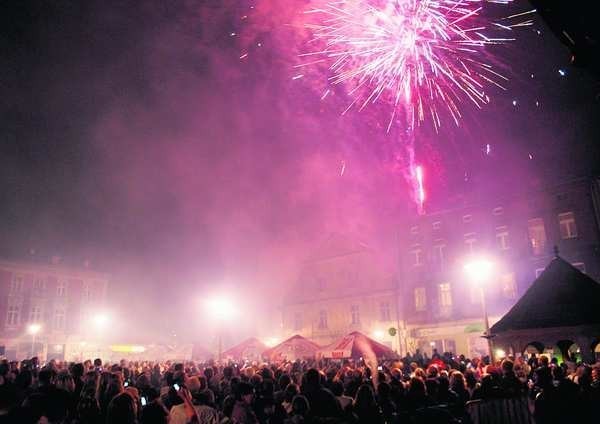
(424, 57)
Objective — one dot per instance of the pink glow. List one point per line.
(420, 186)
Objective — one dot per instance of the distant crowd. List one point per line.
(415, 389)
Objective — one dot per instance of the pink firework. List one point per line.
(422, 56)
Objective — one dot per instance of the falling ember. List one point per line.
(420, 56)
(420, 187)
(295, 77)
(244, 56)
(343, 168)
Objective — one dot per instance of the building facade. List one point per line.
(59, 301)
(518, 234)
(342, 288)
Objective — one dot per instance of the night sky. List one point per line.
(135, 136)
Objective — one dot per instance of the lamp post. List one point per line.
(33, 329)
(480, 272)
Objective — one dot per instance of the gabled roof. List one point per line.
(294, 347)
(561, 296)
(356, 345)
(336, 245)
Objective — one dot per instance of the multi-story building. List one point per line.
(519, 234)
(342, 288)
(60, 300)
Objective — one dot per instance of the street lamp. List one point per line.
(220, 308)
(33, 329)
(479, 271)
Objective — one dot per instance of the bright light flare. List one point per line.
(479, 270)
(34, 328)
(424, 57)
(271, 341)
(100, 321)
(500, 354)
(378, 334)
(220, 308)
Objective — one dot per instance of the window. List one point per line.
(436, 225)
(568, 228)
(384, 309)
(322, 320)
(467, 218)
(297, 321)
(537, 235)
(61, 288)
(538, 272)
(86, 292)
(509, 286)
(445, 295)
(498, 211)
(580, 266)
(355, 314)
(414, 229)
(35, 314)
(16, 283)
(470, 240)
(39, 284)
(12, 315)
(438, 254)
(417, 256)
(502, 237)
(59, 319)
(420, 299)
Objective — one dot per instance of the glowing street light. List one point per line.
(480, 272)
(33, 329)
(220, 308)
(100, 321)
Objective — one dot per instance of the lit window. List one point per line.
(470, 240)
(420, 299)
(35, 314)
(322, 320)
(467, 218)
(445, 295)
(12, 315)
(297, 321)
(436, 225)
(355, 314)
(568, 228)
(580, 266)
(537, 235)
(384, 308)
(59, 319)
(61, 288)
(498, 211)
(39, 284)
(417, 256)
(538, 272)
(438, 253)
(414, 229)
(509, 286)
(16, 283)
(86, 292)
(502, 237)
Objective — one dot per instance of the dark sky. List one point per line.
(133, 134)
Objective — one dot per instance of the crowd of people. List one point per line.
(414, 389)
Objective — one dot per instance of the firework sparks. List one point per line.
(423, 56)
(420, 187)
